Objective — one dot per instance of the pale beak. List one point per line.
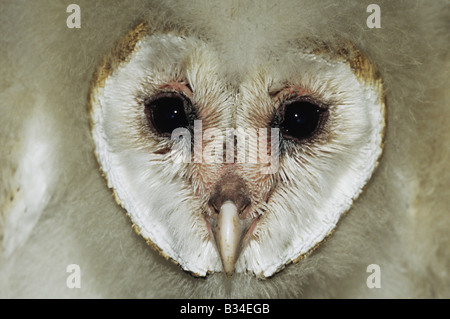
(229, 231)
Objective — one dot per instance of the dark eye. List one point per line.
(166, 112)
(301, 119)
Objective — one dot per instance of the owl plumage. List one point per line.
(57, 209)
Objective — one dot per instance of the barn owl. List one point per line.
(210, 150)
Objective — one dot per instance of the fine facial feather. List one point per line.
(399, 222)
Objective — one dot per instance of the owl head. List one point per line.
(235, 168)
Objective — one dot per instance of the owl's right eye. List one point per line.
(167, 112)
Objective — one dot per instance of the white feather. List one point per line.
(32, 179)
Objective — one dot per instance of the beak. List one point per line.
(229, 231)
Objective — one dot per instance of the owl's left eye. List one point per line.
(167, 112)
(301, 119)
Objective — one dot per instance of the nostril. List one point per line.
(215, 208)
(230, 187)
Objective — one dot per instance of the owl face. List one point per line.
(213, 208)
